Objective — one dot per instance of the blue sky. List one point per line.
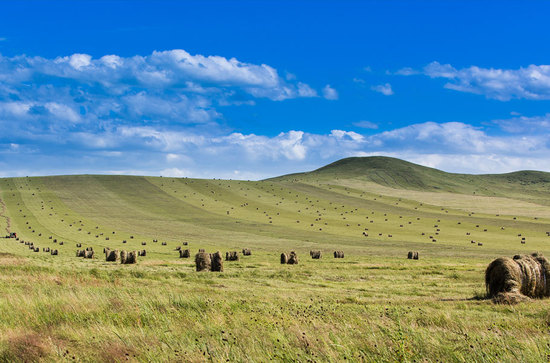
(253, 89)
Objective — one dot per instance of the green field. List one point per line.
(373, 305)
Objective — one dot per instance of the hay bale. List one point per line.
(132, 257)
(201, 250)
(142, 253)
(112, 255)
(123, 257)
(54, 252)
(216, 262)
(247, 252)
(89, 254)
(36, 249)
(415, 255)
(284, 258)
(185, 253)
(410, 255)
(232, 256)
(293, 258)
(338, 254)
(143, 243)
(510, 280)
(315, 254)
(80, 253)
(79, 245)
(202, 261)
(163, 243)
(89, 248)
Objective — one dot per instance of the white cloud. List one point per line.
(407, 71)
(330, 93)
(524, 124)
(385, 89)
(366, 124)
(531, 82)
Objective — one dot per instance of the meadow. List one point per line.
(373, 305)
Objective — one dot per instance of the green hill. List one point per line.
(400, 174)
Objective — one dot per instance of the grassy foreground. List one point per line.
(373, 305)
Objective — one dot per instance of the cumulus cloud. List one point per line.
(173, 86)
(531, 82)
(160, 150)
(384, 89)
(330, 93)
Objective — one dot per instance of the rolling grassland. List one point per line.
(373, 305)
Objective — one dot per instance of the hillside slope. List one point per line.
(533, 186)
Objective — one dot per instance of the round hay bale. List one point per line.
(410, 255)
(284, 258)
(232, 256)
(247, 252)
(415, 255)
(89, 254)
(293, 258)
(202, 261)
(526, 275)
(216, 262)
(185, 253)
(123, 257)
(142, 253)
(54, 252)
(315, 254)
(80, 253)
(132, 257)
(112, 255)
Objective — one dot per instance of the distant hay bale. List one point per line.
(412, 255)
(178, 248)
(80, 253)
(232, 256)
(36, 249)
(338, 254)
(89, 254)
(89, 248)
(123, 257)
(61, 243)
(143, 243)
(292, 258)
(112, 255)
(415, 255)
(79, 245)
(185, 243)
(284, 258)
(216, 264)
(247, 252)
(54, 252)
(163, 243)
(513, 280)
(315, 254)
(201, 250)
(142, 253)
(202, 261)
(185, 253)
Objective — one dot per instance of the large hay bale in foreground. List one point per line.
(112, 255)
(202, 261)
(284, 258)
(216, 264)
(293, 258)
(513, 280)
